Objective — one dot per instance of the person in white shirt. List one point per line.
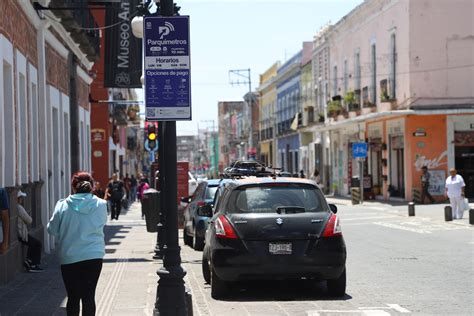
(33, 255)
(455, 192)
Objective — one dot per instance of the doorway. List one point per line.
(464, 159)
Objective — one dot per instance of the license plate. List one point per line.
(280, 248)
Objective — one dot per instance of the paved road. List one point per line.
(396, 265)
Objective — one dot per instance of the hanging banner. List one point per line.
(123, 51)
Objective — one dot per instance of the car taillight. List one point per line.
(223, 228)
(201, 203)
(333, 228)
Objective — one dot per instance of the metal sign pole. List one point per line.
(361, 179)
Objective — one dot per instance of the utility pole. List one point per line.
(247, 79)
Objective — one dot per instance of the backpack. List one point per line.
(116, 191)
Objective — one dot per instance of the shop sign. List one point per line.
(98, 135)
(97, 153)
(420, 132)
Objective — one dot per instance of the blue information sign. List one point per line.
(167, 68)
(359, 150)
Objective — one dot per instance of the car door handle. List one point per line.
(240, 222)
(313, 221)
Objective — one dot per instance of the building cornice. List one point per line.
(56, 44)
(73, 46)
(84, 76)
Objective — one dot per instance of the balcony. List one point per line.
(80, 24)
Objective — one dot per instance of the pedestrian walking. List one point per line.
(425, 184)
(78, 224)
(127, 186)
(302, 175)
(315, 176)
(33, 254)
(133, 189)
(115, 192)
(455, 192)
(4, 221)
(98, 191)
(142, 187)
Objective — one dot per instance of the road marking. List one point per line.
(396, 226)
(398, 308)
(365, 218)
(370, 312)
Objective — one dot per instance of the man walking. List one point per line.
(115, 193)
(425, 184)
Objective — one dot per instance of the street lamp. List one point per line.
(171, 298)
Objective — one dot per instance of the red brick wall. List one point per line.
(82, 93)
(57, 72)
(14, 25)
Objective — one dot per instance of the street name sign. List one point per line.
(167, 68)
(359, 150)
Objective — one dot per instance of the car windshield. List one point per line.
(271, 198)
(210, 192)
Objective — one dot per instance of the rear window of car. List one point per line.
(270, 197)
(210, 192)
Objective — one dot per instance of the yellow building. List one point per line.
(268, 96)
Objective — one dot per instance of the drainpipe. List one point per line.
(43, 113)
(74, 114)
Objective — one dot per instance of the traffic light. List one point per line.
(152, 137)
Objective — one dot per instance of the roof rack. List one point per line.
(240, 173)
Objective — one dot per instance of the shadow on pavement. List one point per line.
(305, 290)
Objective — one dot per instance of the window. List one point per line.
(22, 128)
(346, 77)
(373, 76)
(34, 128)
(273, 197)
(357, 71)
(334, 91)
(8, 126)
(393, 68)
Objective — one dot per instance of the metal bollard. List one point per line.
(411, 209)
(448, 213)
(471, 216)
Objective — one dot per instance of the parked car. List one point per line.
(273, 228)
(195, 225)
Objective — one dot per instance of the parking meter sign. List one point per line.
(359, 150)
(167, 68)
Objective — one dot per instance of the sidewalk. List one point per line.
(127, 285)
(431, 211)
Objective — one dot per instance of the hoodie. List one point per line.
(78, 223)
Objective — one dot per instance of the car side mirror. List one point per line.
(205, 210)
(333, 208)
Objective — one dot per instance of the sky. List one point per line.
(243, 34)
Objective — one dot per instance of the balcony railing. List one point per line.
(80, 23)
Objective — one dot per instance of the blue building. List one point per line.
(288, 113)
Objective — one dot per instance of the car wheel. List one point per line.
(188, 240)
(206, 273)
(219, 288)
(198, 242)
(337, 287)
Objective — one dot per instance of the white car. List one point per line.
(192, 183)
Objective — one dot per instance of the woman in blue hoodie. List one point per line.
(78, 224)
